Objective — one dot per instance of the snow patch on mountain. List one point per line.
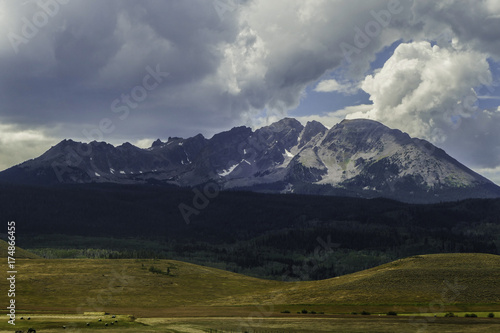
(228, 171)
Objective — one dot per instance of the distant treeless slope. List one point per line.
(19, 252)
(83, 284)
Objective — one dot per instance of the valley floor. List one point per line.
(255, 323)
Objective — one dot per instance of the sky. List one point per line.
(124, 70)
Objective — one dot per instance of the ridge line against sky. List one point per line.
(135, 71)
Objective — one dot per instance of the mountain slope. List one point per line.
(370, 159)
(355, 158)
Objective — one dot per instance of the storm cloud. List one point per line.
(139, 70)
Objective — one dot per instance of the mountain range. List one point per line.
(359, 157)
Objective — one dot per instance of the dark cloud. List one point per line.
(475, 24)
(93, 52)
(256, 55)
(228, 62)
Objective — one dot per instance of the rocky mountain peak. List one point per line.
(311, 130)
(157, 143)
(358, 157)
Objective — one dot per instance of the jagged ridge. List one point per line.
(355, 157)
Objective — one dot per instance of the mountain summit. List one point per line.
(354, 158)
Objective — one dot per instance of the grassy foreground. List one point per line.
(384, 324)
(173, 296)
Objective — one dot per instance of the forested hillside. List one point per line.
(267, 235)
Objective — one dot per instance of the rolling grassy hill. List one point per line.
(20, 253)
(437, 278)
(148, 287)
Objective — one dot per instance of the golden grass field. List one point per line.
(56, 293)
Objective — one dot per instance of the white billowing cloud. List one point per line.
(429, 92)
(283, 46)
(18, 145)
(423, 89)
(332, 118)
(331, 85)
(328, 86)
